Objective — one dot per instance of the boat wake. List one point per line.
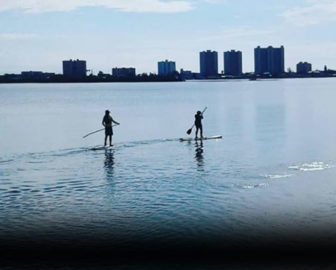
(306, 167)
(312, 166)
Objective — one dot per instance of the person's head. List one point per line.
(107, 112)
(199, 112)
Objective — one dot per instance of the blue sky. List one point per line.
(38, 35)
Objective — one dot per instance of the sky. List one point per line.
(39, 34)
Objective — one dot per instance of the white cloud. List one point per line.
(17, 36)
(314, 12)
(213, 1)
(38, 6)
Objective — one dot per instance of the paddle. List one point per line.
(96, 131)
(189, 130)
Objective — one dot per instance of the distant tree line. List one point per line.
(58, 78)
(151, 77)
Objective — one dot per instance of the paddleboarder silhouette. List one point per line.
(107, 123)
(198, 123)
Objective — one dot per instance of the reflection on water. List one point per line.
(271, 123)
(199, 154)
(109, 163)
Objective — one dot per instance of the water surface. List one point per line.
(272, 173)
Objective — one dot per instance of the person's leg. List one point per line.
(105, 140)
(110, 140)
(196, 132)
(201, 131)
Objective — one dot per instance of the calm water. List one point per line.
(274, 169)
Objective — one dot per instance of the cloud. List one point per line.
(17, 36)
(39, 6)
(213, 1)
(314, 12)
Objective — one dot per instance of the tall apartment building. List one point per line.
(209, 63)
(233, 63)
(166, 68)
(303, 68)
(269, 60)
(74, 69)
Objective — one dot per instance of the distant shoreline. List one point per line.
(157, 79)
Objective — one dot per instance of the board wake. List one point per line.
(201, 139)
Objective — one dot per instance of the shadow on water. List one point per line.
(199, 154)
(109, 163)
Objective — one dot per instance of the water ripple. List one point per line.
(312, 166)
(147, 187)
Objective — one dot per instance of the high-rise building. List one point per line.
(269, 60)
(233, 63)
(166, 68)
(209, 63)
(74, 69)
(303, 68)
(123, 72)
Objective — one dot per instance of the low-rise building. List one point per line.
(186, 74)
(36, 75)
(123, 72)
(303, 68)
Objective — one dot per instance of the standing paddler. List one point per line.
(198, 123)
(107, 123)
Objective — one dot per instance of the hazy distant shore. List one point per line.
(153, 78)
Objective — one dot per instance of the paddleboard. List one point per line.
(201, 139)
(101, 148)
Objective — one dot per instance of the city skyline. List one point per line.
(268, 60)
(140, 33)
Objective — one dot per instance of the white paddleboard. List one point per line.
(101, 148)
(201, 139)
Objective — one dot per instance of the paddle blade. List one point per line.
(189, 131)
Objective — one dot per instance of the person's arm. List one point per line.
(103, 122)
(115, 122)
